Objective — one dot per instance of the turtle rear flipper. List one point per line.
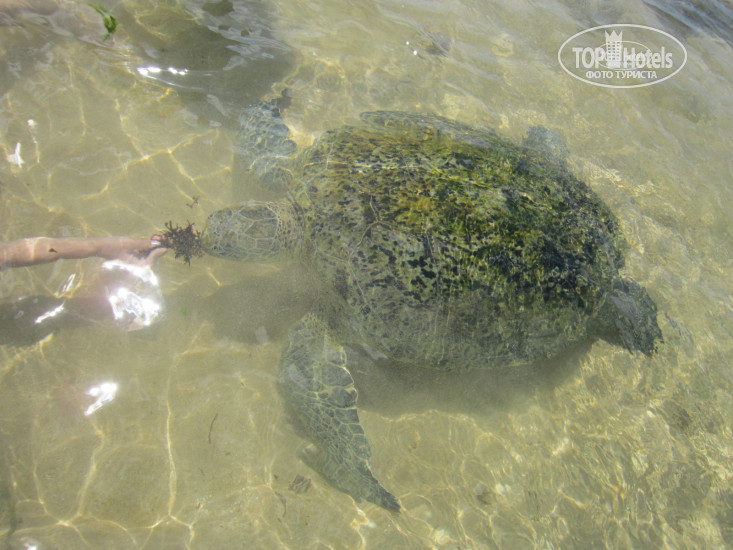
(321, 394)
(263, 150)
(628, 318)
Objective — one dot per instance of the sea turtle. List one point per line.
(446, 246)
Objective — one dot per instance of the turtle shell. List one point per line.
(453, 247)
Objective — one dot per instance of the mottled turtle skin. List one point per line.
(446, 246)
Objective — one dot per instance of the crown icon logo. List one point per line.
(614, 44)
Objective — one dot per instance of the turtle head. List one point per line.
(254, 231)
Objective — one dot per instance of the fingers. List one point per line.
(136, 251)
(155, 254)
(140, 245)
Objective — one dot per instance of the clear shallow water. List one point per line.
(596, 448)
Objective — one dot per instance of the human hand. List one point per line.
(142, 252)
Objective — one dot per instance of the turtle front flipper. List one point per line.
(548, 144)
(321, 394)
(263, 151)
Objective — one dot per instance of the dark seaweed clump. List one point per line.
(184, 241)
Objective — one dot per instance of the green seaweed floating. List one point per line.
(110, 23)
